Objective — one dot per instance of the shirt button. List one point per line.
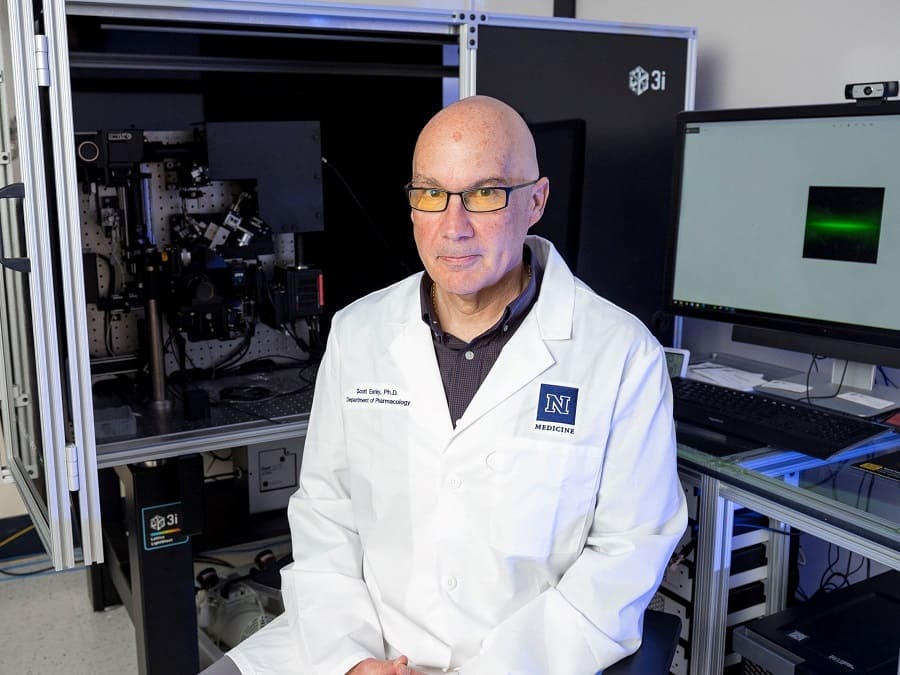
(505, 328)
(470, 355)
(450, 583)
(455, 482)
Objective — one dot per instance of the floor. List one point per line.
(49, 628)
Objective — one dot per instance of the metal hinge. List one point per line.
(20, 398)
(72, 467)
(42, 60)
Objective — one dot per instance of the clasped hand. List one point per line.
(399, 666)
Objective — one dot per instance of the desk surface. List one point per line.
(243, 409)
(836, 492)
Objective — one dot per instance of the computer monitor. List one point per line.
(786, 223)
(560, 146)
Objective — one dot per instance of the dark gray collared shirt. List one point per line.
(465, 365)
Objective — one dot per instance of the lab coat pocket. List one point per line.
(544, 496)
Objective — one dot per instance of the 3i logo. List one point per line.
(640, 80)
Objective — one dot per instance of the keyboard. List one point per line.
(769, 420)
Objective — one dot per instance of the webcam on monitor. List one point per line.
(866, 90)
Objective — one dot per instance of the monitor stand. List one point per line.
(851, 389)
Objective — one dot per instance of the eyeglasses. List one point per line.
(477, 200)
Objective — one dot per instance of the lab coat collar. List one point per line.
(555, 307)
(527, 354)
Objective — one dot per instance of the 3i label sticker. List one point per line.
(162, 526)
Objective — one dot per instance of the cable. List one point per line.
(291, 331)
(246, 394)
(310, 382)
(16, 535)
(246, 411)
(111, 286)
(816, 358)
(215, 458)
(211, 560)
(801, 562)
(26, 574)
(786, 533)
(236, 355)
(862, 481)
(227, 364)
(679, 556)
(833, 471)
(107, 332)
(888, 382)
(255, 394)
(832, 579)
(269, 357)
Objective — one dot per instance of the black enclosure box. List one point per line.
(852, 630)
(628, 90)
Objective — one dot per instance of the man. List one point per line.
(489, 479)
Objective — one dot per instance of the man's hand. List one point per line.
(398, 666)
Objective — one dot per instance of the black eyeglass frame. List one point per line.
(506, 189)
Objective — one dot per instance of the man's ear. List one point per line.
(539, 197)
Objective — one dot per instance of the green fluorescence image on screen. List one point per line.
(843, 223)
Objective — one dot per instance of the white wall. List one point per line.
(772, 52)
(10, 501)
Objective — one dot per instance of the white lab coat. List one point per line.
(529, 539)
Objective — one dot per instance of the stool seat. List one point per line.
(661, 633)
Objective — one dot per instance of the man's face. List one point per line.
(466, 253)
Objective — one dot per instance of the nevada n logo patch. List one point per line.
(557, 404)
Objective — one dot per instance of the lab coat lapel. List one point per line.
(412, 352)
(527, 353)
(523, 358)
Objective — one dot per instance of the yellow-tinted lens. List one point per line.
(484, 199)
(428, 199)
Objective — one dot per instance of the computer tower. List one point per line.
(851, 630)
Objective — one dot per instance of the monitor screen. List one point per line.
(789, 219)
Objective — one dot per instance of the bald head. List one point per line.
(480, 147)
(487, 131)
